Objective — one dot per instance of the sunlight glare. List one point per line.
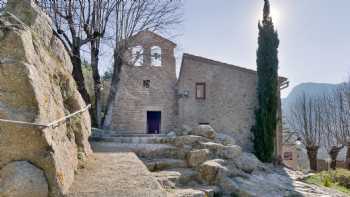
(275, 14)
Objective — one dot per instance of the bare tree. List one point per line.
(96, 28)
(346, 120)
(69, 18)
(131, 17)
(81, 22)
(333, 124)
(2, 4)
(305, 119)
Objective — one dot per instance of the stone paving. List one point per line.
(115, 175)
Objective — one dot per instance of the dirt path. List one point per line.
(115, 175)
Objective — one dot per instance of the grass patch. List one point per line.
(331, 179)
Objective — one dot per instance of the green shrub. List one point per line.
(343, 181)
(327, 179)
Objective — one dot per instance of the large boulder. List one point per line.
(196, 157)
(247, 162)
(205, 131)
(189, 140)
(36, 85)
(189, 193)
(225, 139)
(229, 187)
(222, 151)
(230, 152)
(210, 172)
(22, 179)
(263, 185)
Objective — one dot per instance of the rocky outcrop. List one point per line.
(225, 139)
(247, 162)
(197, 157)
(204, 131)
(189, 140)
(218, 162)
(217, 174)
(22, 179)
(212, 171)
(219, 150)
(36, 86)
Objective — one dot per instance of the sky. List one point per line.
(314, 36)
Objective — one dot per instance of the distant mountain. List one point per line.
(310, 89)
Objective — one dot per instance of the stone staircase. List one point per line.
(162, 157)
(184, 165)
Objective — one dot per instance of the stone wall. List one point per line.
(134, 100)
(230, 97)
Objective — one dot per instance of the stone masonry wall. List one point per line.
(133, 100)
(230, 97)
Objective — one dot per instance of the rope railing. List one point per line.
(52, 125)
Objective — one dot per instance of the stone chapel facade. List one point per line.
(152, 100)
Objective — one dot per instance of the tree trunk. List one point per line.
(107, 120)
(97, 109)
(78, 74)
(347, 160)
(333, 153)
(312, 155)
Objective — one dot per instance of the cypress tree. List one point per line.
(264, 131)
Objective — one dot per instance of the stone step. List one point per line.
(197, 191)
(163, 164)
(178, 176)
(210, 191)
(133, 139)
(186, 193)
(141, 150)
(108, 133)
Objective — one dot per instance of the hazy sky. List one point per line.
(314, 35)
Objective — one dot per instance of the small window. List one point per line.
(200, 91)
(137, 56)
(156, 56)
(146, 83)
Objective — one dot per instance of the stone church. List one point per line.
(152, 100)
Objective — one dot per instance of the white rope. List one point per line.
(23, 123)
(53, 124)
